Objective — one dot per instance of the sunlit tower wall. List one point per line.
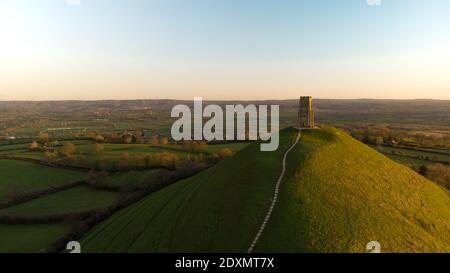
(305, 113)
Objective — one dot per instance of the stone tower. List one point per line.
(305, 113)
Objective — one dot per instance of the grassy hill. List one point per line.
(337, 196)
(341, 194)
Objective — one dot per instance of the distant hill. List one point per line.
(339, 194)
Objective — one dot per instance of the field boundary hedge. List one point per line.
(78, 168)
(47, 219)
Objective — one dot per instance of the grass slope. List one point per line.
(132, 177)
(341, 194)
(216, 210)
(19, 177)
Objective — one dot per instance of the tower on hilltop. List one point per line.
(305, 113)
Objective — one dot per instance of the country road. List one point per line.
(275, 195)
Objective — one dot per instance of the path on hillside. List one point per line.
(275, 195)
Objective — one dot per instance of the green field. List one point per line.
(409, 161)
(424, 154)
(110, 158)
(24, 146)
(216, 210)
(12, 147)
(19, 177)
(341, 194)
(28, 238)
(117, 150)
(113, 154)
(78, 199)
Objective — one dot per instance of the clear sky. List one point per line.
(224, 49)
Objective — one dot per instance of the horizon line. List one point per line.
(167, 99)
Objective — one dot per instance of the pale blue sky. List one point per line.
(224, 49)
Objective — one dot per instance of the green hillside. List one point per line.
(341, 194)
(338, 195)
(216, 210)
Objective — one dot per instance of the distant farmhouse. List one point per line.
(305, 113)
